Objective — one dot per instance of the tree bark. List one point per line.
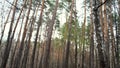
(91, 40)
(19, 53)
(49, 35)
(67, 48)
(98, 34)
(106, 40)
(8, 47)
(118, 38)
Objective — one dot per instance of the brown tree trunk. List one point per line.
(49, 35)
(98, 34)
(118, 38)
(91, 40)
(12, 37)
(112, 39)
(19, 53)
(28, 41)
(4, 27)
(35, 43)
(106, 40)
(83, 37)
(16, 45)
(8, 47)
(67, 48)
(75, 40)
(99, 45)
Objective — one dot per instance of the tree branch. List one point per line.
(102, 4)
(96, 8)
(12, 4)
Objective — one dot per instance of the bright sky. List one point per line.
(62, 18)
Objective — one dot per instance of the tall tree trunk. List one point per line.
(91, 40)
(98, 34)
(76, 44)
(27, 47)
(76, 49)
(41, 57)
(67, 48)
(83, 37)
(99, 45)
(49, 35)
(19, 53)
(16, 45)
(106, 40)
(12, 37)
(4, 27)
(118, 38)
(38, 28)
(8, 47)
(112, 42)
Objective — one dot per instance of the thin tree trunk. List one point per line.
(8, 47)
(35, 44)
(26, 52)
(12, 37)
(67, 48)
(16, 45)
(83, 34)
(42, 55)
(76, 51)
(19, 54)
(91, 40)
(4, 27)
(76, 28)
(112, 43)
(49, 35)
(106, 42)
(118, 38)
